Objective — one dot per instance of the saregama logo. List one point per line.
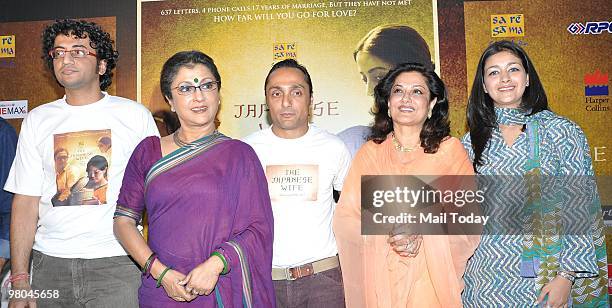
(283, 51)
(507, 25)
(7, 46)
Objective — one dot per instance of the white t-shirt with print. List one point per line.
(80, 226)
(302, 174)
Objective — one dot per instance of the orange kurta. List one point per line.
(376, 276)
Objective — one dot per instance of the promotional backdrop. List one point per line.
(568, 41)
(246, 38)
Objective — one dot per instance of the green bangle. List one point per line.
(147, 263)
(225, 267)
(161, 276)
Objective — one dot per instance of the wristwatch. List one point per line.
(567, 275)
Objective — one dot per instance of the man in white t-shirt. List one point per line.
(76, 260)
(303, 165)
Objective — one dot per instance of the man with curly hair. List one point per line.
(76, 260)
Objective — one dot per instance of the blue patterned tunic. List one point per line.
(493, 275)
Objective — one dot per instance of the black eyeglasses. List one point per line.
(190, 90)
(59, 53)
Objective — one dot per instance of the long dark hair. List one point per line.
(435, 129)
(480, 109)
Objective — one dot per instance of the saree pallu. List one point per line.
(209, 196)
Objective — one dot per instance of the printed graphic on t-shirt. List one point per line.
(296, 182)
(82, 160)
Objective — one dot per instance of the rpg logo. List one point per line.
(596, 84)
(591, 27)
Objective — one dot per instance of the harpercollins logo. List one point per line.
(609, 278)
(596, 84)
(590, 27)
(596, 91)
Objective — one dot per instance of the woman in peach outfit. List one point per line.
(410, 136)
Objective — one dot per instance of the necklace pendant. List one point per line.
(399, 146)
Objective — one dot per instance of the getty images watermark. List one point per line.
(504, 205)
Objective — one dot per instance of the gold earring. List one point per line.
(429, 114)
(172, 108)
(389, 113)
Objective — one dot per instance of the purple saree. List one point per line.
(210, 197)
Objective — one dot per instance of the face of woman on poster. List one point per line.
(385, 47)
(410, 100)
(97, 175)
(195, 97)
(505, 79)
(372, 69)
(97, 168)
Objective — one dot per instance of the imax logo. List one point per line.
(591, 27)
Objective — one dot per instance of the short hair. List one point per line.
(435, 129)
(97, 161)
(396, 44)
(187, 59)
(98, 38)
(481, 117)
(59, 150)
(293, 64)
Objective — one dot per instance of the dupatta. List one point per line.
(544, 240)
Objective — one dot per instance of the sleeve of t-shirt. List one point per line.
(27, 174)
(150, 129)
(344, 163)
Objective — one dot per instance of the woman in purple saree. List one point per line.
(210, 219)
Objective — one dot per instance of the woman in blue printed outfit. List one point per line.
(514, 135)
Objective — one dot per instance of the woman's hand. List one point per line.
(406, 245)
(176, 291)
(558, 291)
(203, 278)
